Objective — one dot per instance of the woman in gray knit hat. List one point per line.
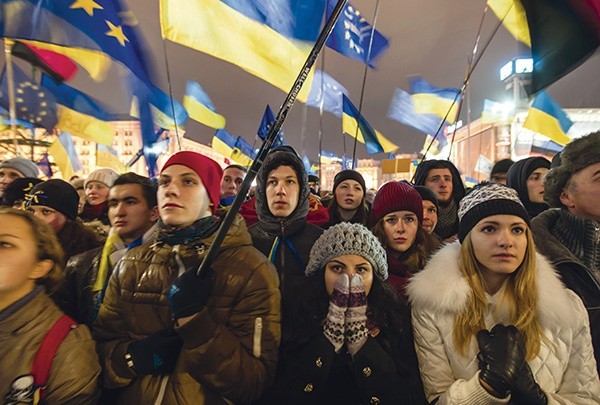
(349, 340)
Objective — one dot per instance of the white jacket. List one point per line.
(564, 368)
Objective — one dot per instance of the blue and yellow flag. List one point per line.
(199, 106)
(242, 152)
(495, 112)
(327, 93)
(65, 156)
(223, 142)
(402, 110)
(351, 35)
(355, 125)
(429, 99)
(512, 15)
(270, 40)
(106, 156)
(547, 118)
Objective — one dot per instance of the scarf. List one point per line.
(91, 212)
(190, 235)
(447, 220)
(399, 271)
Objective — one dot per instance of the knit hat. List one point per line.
(24, 166)
(78, 184)
(347, 238)
(105, 176)
(18, 188)
(576, 156)
(349, 175)
(428, 195)
(487, 199)
(396, 196)
(501, 166)
(56, 194)
(207, 169)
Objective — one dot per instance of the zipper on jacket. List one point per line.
(281, 269)
(257, 339)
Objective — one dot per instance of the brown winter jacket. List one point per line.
(75, 372)
(229, 348)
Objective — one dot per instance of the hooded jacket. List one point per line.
(285, 241)
(564, 368)
(230, 347)
(517, 177)
(458, 191)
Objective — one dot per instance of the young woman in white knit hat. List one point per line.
(349, 339)
(493, 323)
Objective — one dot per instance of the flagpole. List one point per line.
(270, 138)
(362, 90)
(12, 108)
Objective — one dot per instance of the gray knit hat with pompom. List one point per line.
(348, 239)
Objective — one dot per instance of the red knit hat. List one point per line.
(396, 196)
(207, 169)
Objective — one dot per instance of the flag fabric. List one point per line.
(429, 99)
(351, 35)
(223, 142)
(326, 91)
(563, 35)
(433, 146)
(547, 118)
(494, 112)
(106, 156)
(242, 152)
(356, 125)
(34, 103)
(59, 66)
(45, 166)
(263, 129)
(483, 165)
(270, 40)
(512, 15)
(5, 120)
(199, 106)
(152, 152)
(402, 110)
(65, 156)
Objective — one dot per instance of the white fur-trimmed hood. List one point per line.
(441, 288)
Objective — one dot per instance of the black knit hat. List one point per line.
(17, 189)
(349, 175)
(56, 194)
(428, 195)
(502, 166)
(487, 199)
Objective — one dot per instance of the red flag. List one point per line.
(59, 66)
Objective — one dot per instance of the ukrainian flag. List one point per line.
(547, 118)
(65, 156)
(199, 106)
(271, 42)
(356, 125)
(429, 99)
(223, 142)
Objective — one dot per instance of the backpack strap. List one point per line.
(45, 354)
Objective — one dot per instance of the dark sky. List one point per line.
(432, 38)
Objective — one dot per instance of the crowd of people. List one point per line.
(422, 293)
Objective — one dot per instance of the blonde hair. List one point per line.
(520, 297)
(47, 247)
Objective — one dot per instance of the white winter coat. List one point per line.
(564, 368)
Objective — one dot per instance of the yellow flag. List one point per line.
(84, 126)
(515, 20)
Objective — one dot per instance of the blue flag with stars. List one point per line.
(265, 123)
(34, 103)
(351, 35)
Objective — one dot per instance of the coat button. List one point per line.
(375, 400)
(319, 362)
(308, 389)
(367, 371)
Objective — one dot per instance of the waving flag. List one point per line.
(357, 126)
(429, 99)
(65, 156)
(269, 39)
(35, 104)
(326, 91)
(242, 152)
(547, 118)
(513, 17)
(199, 106)
(402, 110)
(45, 166)
(351, 35)
(106, 156)
(265, 123)
(59, 66)
(223, 142)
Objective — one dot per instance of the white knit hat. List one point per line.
(106, 176)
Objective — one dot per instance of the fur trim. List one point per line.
(441, 288)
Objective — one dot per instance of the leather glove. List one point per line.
(338, 303)
(501, 357)
(356, 316)
(189, 292)
(157, 354)
(526, 391)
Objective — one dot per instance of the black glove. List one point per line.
(188, 293)
(157, 354)
(501, 357)
(526, 391)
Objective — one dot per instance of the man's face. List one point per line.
(440, 182)
(582, 193)
(283, 191)
(231, 181)
(129, 213)
(7, 176)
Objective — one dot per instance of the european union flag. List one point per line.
(351, 35)
(326, 91)
(265, 123)
(34, 103)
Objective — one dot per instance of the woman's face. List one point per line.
(349, 195)
(400, 229)
(96, 193)
(19, 266)
(499, 243)
(535, 185)
(350, 265)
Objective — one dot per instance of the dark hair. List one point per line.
(149, 188)
(242, 168)
(361, 216)
(76, 238)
